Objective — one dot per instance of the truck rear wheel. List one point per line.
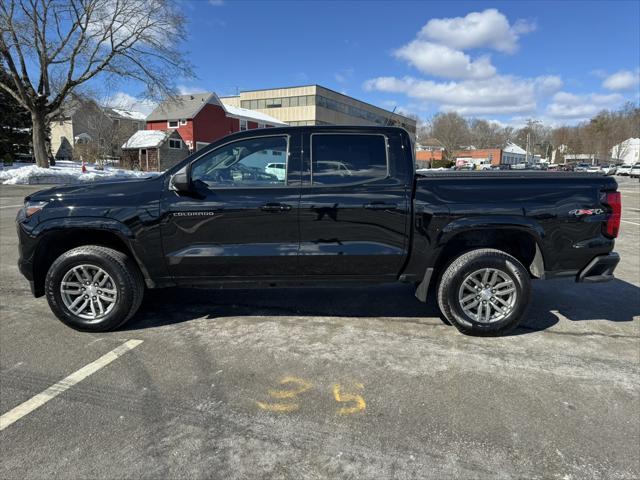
(94, 288)
(484, 292)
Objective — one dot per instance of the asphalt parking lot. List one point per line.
(331, 383)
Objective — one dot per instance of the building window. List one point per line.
(183, 121)
(116, 122)
(281, 102)
(260, 125)
(243, 125)
(175, 144)
(172, 124)
(136, 125)
(274, 103)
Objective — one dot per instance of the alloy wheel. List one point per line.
(487, 295)
(88, 292)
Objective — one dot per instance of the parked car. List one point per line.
(350, 211)
(594, 169)
(277, 169)
(635, 171)
(609, 169)
(581, 167)
(624, 170)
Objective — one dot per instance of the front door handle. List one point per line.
(275, 207)
(381, 206)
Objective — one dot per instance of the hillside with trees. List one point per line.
(595, 137)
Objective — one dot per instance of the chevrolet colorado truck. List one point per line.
(348, 209)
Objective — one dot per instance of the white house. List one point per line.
(513, 154)
(627, 152)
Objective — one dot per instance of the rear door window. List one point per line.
(342, 159)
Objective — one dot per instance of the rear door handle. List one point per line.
(381, 206)
(275, 207)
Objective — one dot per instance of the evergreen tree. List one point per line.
(15, 125)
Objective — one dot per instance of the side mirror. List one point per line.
(181, 180)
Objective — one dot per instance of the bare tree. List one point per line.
(451, 130)
(423, 131)
(485, 134)
(67, 43)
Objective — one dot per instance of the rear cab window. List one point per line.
(343, 159)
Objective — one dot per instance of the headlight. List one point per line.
(31, 208)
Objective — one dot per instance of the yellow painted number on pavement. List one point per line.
(297, 386)
(358, 403)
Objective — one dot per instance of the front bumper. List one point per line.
(600, 269)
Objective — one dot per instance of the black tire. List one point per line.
(126, 276)
(472, 261)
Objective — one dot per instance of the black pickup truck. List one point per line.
(321, 206)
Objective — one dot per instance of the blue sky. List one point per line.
(560, 62)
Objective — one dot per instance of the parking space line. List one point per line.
(56, 389)
(632, 223)
(12, 206)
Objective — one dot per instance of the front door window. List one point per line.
(246, 163)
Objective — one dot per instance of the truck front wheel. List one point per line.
(484, 292)
(94, 288)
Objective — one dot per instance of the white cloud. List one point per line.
(566, 105)
(188, 89)
(498, 96)
(125, 101)
(344, 76)
(622, 80)
(487, 29)
(443, 61)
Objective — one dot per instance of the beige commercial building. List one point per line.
(317, 105)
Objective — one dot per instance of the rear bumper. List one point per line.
(600, 269)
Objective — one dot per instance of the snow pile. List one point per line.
(146, 139)
(64, 172)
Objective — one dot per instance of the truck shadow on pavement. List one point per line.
(616, 301)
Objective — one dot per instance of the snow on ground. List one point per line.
(64, 171)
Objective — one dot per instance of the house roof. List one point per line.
(127, 114)
(188, 106)
(147, 139)
(253, 115)
(74, 103)
(182, 106)
(513, 148)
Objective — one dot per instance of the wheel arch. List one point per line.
(55, 241)
(522, 241)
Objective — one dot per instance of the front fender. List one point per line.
(92, 223)
(107, 225)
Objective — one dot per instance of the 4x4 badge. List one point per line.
(578, 212)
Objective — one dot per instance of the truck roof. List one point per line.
(319, 128)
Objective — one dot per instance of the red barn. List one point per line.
(202, 118)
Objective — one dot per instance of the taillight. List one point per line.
(614, 201)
